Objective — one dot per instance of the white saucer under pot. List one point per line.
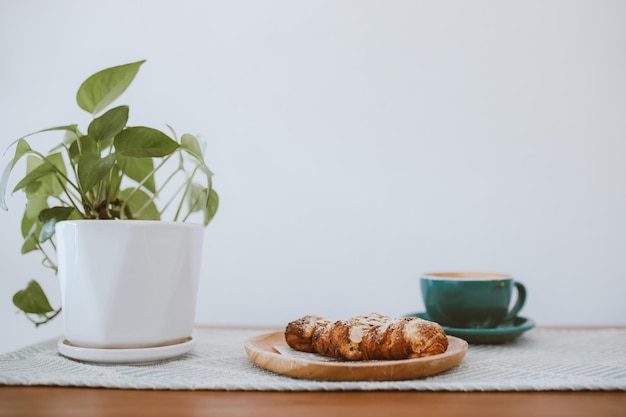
(125, 356)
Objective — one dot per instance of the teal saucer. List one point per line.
(505, 332)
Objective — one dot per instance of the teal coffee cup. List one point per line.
(471, 299)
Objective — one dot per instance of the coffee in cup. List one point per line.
(471, 299)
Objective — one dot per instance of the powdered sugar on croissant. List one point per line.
(367, 337)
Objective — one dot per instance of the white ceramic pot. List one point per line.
(128, 283)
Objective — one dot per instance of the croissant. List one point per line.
(367, 337)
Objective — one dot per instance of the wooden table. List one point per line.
(85, 402)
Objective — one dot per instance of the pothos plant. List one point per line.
(111, 171)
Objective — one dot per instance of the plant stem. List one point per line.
(48, 318)
(158, 192)
(69, 196)
(192, 205)
(59, 172)
(182, 200)
(123, 208)
(172, 199)
(50, 264)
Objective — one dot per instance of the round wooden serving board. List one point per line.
(261, 351)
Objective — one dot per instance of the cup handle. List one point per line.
(521, 299)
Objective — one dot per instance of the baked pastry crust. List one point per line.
(367, 337)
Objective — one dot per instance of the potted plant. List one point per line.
(129, 281)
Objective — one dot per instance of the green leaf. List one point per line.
(92, 169)
(49, 218)
(20, 150)
(84, 144)
(106, 144)
(191, 144)
(47, 185)
(71, 133)
(53, 185)
(27, 222)
(30, 241)
(33, 188)
(197, 198)
(73, 129)
(29, 245)
(137, 203)
(68, 128)
(32, 299)
(144, 142)
(70, 137)
(109, 124)
(103, 87)
(138, 169)
(211, 207)
(35, 204)
(41, 171)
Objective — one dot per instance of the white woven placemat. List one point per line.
(542, 359)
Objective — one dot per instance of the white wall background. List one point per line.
(356, 144)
